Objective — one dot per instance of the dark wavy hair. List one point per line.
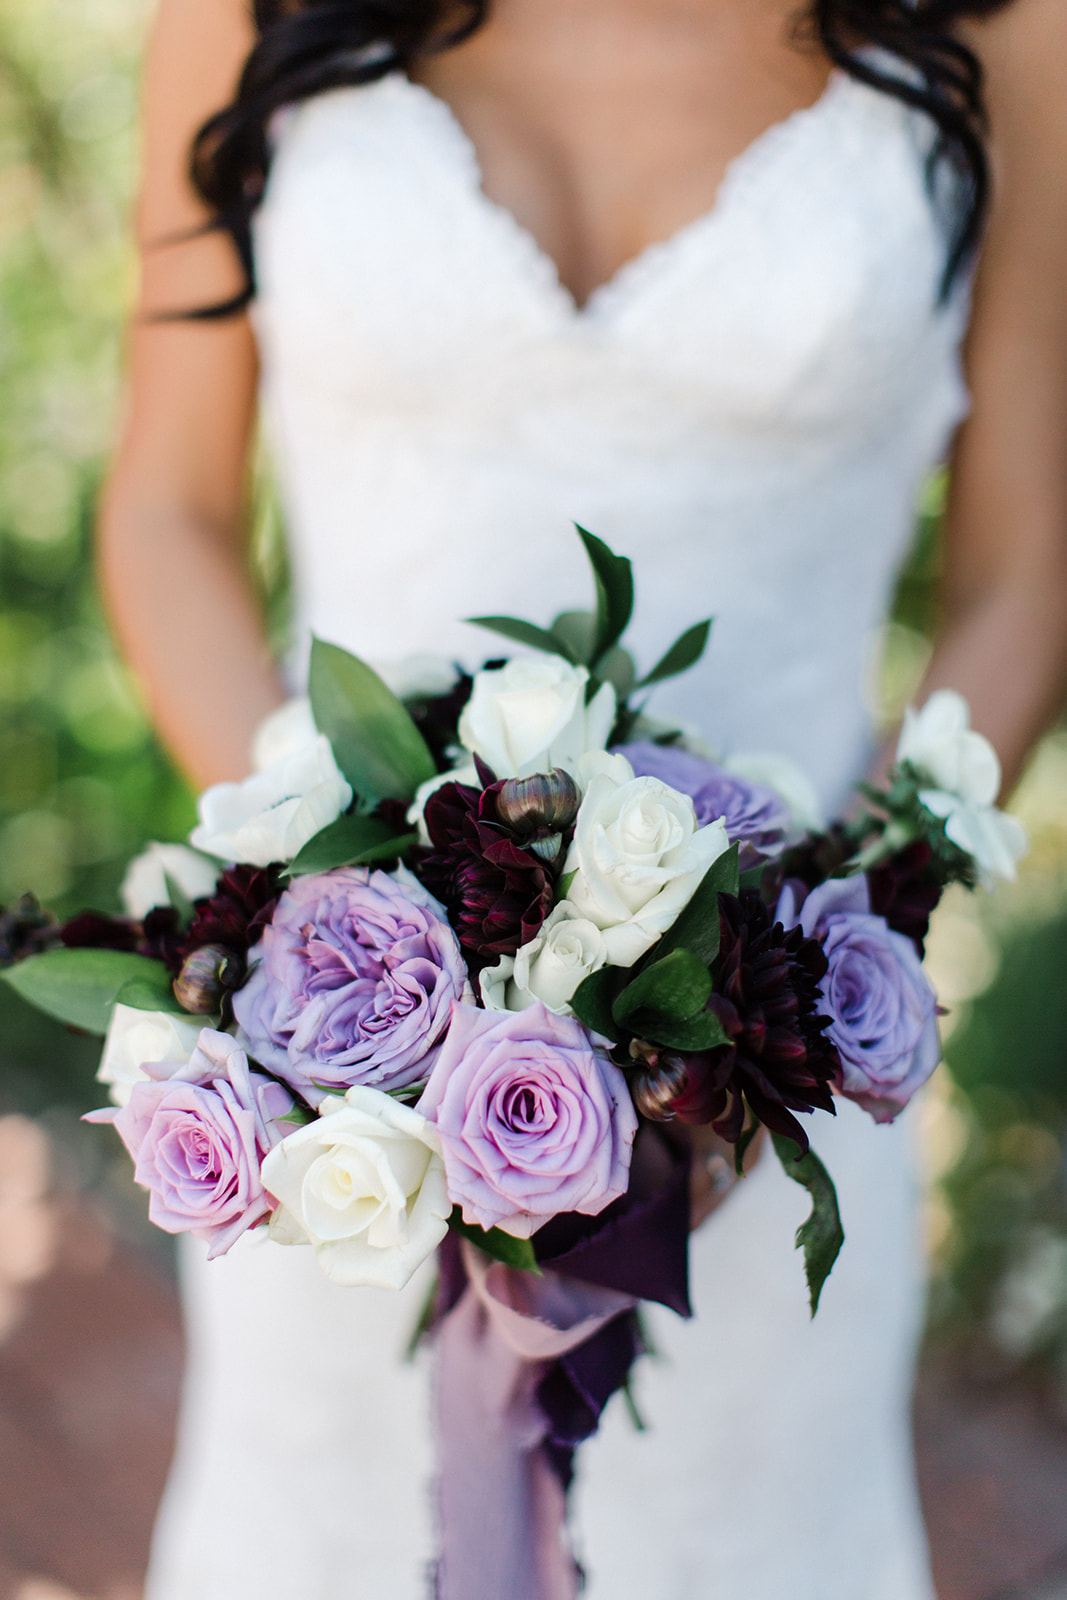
(307, 46)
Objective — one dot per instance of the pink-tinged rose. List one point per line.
(352, 983)
(533, 1121)
(882, 1006)
(198, 1137)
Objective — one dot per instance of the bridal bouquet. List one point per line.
(462, 946)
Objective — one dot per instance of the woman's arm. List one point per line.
(1003, 643)
(172, 529)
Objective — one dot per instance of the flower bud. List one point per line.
(655, 1089)
(207, 975)
(548, 800)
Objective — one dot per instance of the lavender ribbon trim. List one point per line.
(525, 1368)
(502, 1504)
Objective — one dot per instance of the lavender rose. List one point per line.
(352, 983)
(883, 1009)
(755, 815)
(198, 1137)
(532, 1119)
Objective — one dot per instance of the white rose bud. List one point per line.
(272, 815)
(530, 716)
(365, 1185)
(145, 883)
(135, 1037)
(549, 968)
(637, 858)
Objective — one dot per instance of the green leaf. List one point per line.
(576, 634)
(501, 1246)
(350, 841)
(684, 653)
(703, 1032)
(697, 926)
(593, 999)
(79, 987)
(822, 1235)
(616, 667)
(677, 987)
(528, 633)
(375, 742)
(153, 992)
(614, 579)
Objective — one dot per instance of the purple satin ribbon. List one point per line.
(526, 1365)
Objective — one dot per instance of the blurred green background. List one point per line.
(83, 783)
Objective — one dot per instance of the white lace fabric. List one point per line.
(747, 410)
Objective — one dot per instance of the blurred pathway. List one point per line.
(90, 1352)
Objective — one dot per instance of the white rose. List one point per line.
(994, 839)
(420, 676)
(283, 733)
(530, 716)
(637, 857)
(272, 815)
(786, 778)
(941, 744)
(550, 968)
(134, 1037)
(365, 1185)
(145, 883)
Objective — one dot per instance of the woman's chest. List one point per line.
(804, 297)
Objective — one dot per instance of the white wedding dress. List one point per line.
(746, 410)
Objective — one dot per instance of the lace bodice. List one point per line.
(746, 409)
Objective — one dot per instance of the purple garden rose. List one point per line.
(351, 983)
(882, 1006)
(755, 815)
(198, 1137)
(533, 1121)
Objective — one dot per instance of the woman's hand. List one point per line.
(711, 1172)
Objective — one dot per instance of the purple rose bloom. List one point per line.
(198, 1137)
(882, 1006)
(755, 816)
(351, 983)
(533, 1121)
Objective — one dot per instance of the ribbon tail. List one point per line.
(502, 1500)
(502, 1507)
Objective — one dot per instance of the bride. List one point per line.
(696, 273)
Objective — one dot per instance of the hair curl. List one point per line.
(307, 46)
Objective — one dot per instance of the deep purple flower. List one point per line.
(94, 930)
(906, 889)
(755, 815)
(767, 998)
(883, 1009)
(497, 891)
(239, 909)
(533, 1120)
(351, 983)
(198, 1137)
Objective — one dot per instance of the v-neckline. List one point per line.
(737, 173)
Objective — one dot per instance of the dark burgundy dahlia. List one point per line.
(238, 911)
(767, 999)
(497, 892)
(905, 890)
